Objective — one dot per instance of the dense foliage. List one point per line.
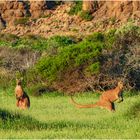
(34, 42)
(85, 53)
(104, 57)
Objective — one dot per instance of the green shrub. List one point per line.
(97, 36)
(31, 41)
(76, 8)
(94, 68)
(85, 15)
(55, 43)
(127, 28)
(3, 43)
(8, 39)
(83, 53)
(110, 38)
(59, 41)
(35, 42)
(88, 51)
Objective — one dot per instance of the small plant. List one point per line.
(95, 68)
(97, 36)
(76, 8)
(85, 15)
(128, 28)
(8, 39)
(110, 38)
(112, 20)
(32, 42)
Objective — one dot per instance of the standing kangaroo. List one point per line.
(106, 100)
(23, 101)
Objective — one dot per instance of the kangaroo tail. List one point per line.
(83, 106)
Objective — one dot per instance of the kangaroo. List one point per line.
(106, 100)
(23, 101)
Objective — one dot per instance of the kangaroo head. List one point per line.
(18, 90)
(120, 84)
(19, 81)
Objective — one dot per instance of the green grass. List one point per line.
(55, 117)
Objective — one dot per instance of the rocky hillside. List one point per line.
(48, 18)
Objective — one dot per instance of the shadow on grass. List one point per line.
(134, 111)
(16, 121)
(13, 120)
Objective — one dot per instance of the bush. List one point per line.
(110, 38)
(72, 56)
(97, 36)
(122, 60)
(94, 68)
(76, 8)
(57, 42)
(31, 41)
(35, 42)
(8, 39)
(128, 28)
(85, 15)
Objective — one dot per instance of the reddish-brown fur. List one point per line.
(22, 98)
(106, 100)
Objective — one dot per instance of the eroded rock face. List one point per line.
(11, 10)
(121, 10)
(15, 9)
(90, 6)
(37, 8)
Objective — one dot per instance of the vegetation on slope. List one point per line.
(103, 58)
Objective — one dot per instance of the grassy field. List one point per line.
(52, 116)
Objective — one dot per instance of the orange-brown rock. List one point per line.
(37, 8)
(11, 10)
